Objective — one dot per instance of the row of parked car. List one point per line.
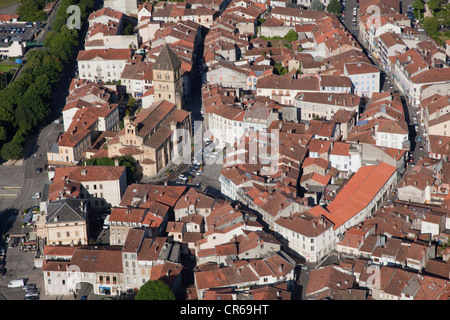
(194, 170)
(12, 30)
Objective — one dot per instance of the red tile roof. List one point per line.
(107, 54)
(359, 192)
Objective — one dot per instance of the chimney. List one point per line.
(280, 268)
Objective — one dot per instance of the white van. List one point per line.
(16, 283)
(106, 222)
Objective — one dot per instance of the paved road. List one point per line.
(41, 36)
(348, 17)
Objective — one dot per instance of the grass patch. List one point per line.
(8, 67)
(7, 3)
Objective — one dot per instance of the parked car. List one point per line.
(32, 298)
(32, 294)
(182, 177)
(29, 287)
(303, 266)
(199, 172)
(38, 170)
(37, 195)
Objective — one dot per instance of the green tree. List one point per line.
(279, 69)
(85, 7)
(3, 134)
(334, 7)
(105, 161)
(62, 15)
(418, 5)
(419, 8)
(31, 10)
(11, 150)
(431, 25)
(62, 44)
(316, 5)
(435, 5)
(155, 290)
(129, 30)
(130, 163)
(291, 36)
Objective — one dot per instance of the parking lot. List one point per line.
(20, 265)
(204, 170)
(11, 30)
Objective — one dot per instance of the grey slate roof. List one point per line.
(66, 210)
(167, 60)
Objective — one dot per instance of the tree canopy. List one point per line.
(431, 25)
(291, 36)
(155, 290)
(316, 5)
(334, 7)
(31, 10)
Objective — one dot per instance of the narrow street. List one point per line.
(419, 143)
